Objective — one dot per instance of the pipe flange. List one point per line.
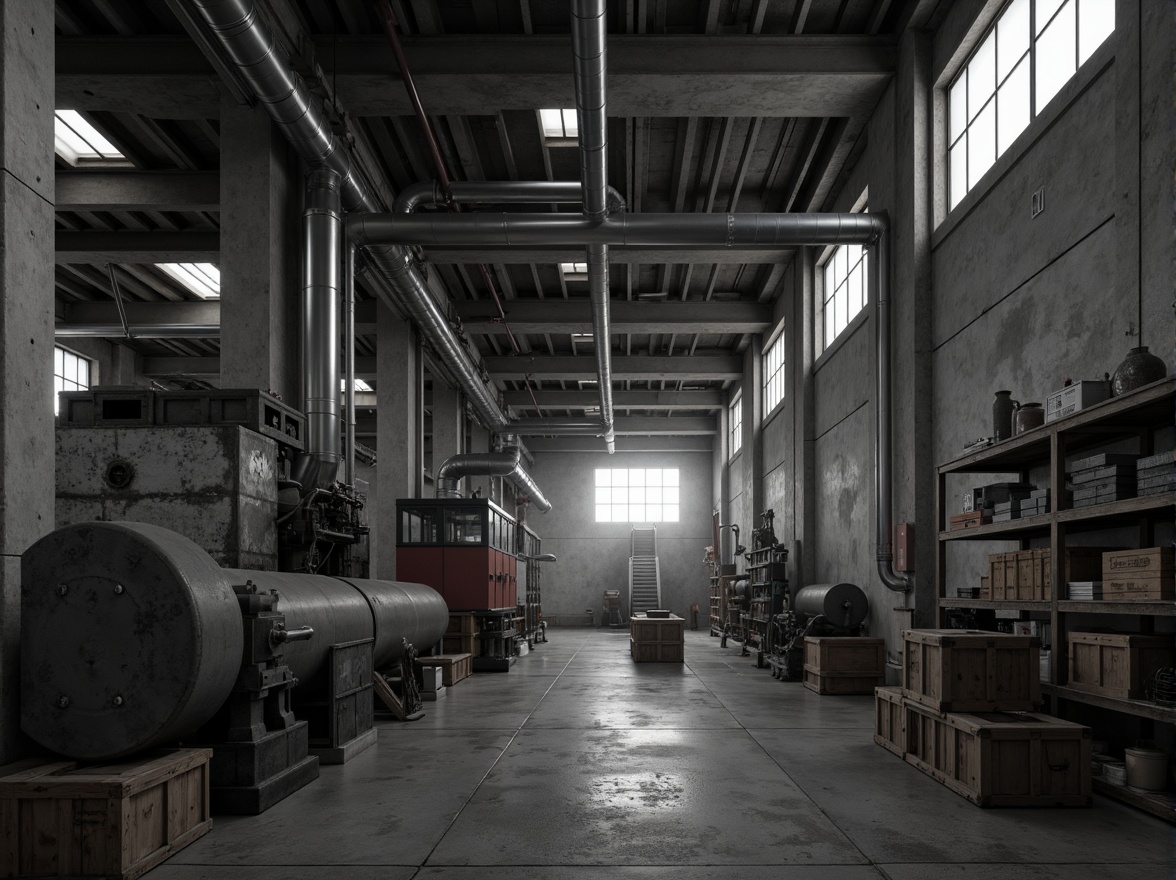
(119, 474)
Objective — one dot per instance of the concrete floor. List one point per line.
(579, 764)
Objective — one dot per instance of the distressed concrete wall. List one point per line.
(594, 557)
(214, 485)
(26, 321)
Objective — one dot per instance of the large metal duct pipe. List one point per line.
(588, 48)
(883, 480)
(265, 67)
(507, 464)
(322, 244)
(132, 636)
(137, 331)
(500, 192)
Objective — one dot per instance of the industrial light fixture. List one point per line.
(202, 279)
(654, 295)
(78, 142)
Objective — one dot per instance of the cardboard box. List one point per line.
(1074, 398)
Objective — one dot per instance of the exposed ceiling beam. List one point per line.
(651, 400)
(138, 191)
(101, 319)
(644, 426)
(616, 254)
(649, 75)
(720, 367)
(201, 367)
(575, 316)
(624, 444)
(137, 247)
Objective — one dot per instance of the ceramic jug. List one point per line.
(1027, 417)
(1002, 415)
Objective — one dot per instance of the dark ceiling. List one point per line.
(729, 105)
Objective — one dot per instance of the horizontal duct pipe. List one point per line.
(507, 464)
(735, 231)
(137, 331)
(506, 192)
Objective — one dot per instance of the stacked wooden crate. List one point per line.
(657, 639)
(844, 664)
(1028, 574)
(461, 636)
(964, 717)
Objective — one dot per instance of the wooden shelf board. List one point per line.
(991, 531)
(999, 604)
(1158, 803)
(1142, 708)
(1126, 507)
(1102, 606)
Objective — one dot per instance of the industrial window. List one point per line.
(1031, 52)
(844, 291)
(202, 279)
(773, 375)
(736, 423)
(574, 271)
(636, 495)
(70, 373)
(79, 143)
(559, 124)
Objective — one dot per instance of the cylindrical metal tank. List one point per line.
(132, 636)
(841, 604)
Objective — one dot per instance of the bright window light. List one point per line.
(637, 495)
(582, 338)
(1034, 49)
(845, 289)
(736, 422)
(202, 279)
(559, 123)
(360, 385)
(70, 373)
(77, 141)
(773, 375)
(574, 271)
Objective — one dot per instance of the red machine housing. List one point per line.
(464, 548)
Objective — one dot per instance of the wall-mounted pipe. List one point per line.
(507, 463)
(883, 479)
(349, 362)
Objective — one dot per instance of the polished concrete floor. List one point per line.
(579, 764)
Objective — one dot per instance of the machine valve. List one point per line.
(281, 635)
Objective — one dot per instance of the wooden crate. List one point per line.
(1116, 664)
(1139, 575)
(657, 639)
(844, 664)
(890, 719)
(1003, 575)
(460, 644)
(462, 625)
(454, 667)
(1002, 759)
(956, 670)
(118, 819)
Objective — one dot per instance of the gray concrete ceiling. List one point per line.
(720, 105)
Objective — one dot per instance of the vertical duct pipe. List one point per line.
(322, 241)
(588, 47)
(884, 480)
(349, 360)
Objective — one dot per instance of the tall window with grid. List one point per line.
(71, 372)
(773, 375)
(1033, 50)
(736, 424)
(637, 495)
(844, 290)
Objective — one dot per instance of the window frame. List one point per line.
(735, 424)
(859, 268)
(59, 378)
(664, 484)
(992, 98)
(771, 375)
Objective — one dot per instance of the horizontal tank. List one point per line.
(132, 636)
(842, 604)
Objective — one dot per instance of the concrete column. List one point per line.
(261, 195)
(399, 390)
(753, 434)
(26, 321)
(799, 366)
(448, 418)
(479, 442)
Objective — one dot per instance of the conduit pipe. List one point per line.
(588, 49)
(138, 331)
(500, 192)
(883, 479)
(349, 362)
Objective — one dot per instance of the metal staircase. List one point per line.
(644, 571)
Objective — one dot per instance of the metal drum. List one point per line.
(131, 636)
(843, 605)
(402, 611)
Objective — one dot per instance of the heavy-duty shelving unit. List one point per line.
(1138, 415)
(768, 581)
(721, 577)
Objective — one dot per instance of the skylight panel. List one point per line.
(77, 141)
(202, 279)
(559, 123)
(574, 271)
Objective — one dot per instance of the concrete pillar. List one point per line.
(26, 321)
(479, 442)
(399, 441)
(753, 435)
(798, 363)
(261, 195)
(448, 423)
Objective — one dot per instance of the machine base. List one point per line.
(344, 753)
(253, 799)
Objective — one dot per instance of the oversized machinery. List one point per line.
(133, 637)
(816, 610)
